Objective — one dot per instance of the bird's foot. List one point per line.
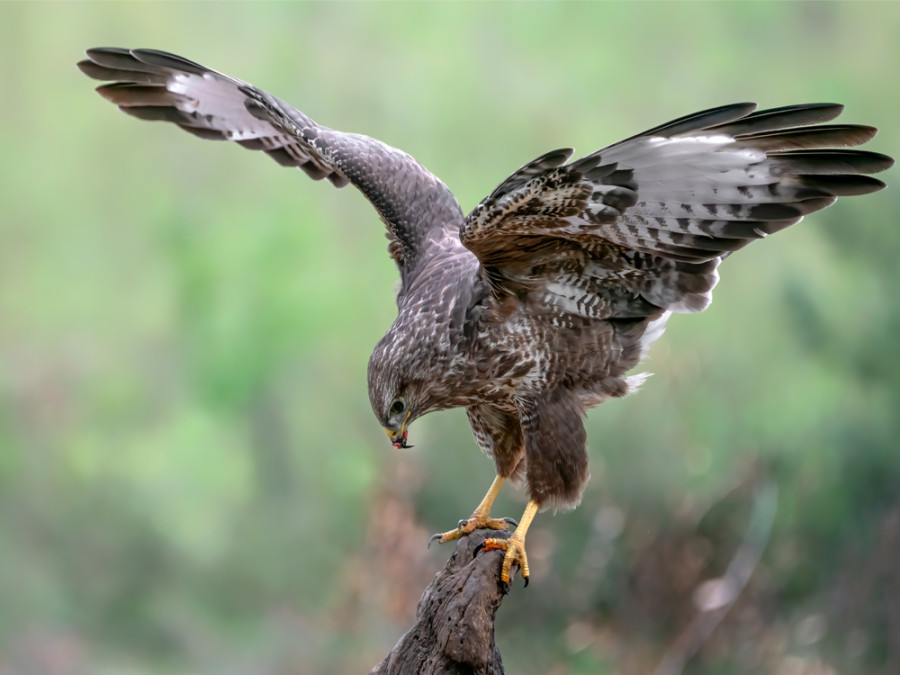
(478, 521)
(481, 518)
(514, 547)
(515, 555)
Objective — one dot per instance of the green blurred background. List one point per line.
(191, 480)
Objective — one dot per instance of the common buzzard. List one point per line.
(535, 306)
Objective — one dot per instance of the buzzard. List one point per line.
(534, 307)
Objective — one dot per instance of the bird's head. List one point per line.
(399, 389)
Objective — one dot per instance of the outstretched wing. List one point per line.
(643, 224)
(155, 85)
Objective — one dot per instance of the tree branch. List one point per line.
(454, 629)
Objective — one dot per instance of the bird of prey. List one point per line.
(535, 306)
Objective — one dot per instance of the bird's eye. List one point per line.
(397, 407)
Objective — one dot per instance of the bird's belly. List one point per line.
(537, 356)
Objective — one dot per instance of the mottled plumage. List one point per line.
(536, 305)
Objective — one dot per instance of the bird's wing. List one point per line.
(155, 85)
(643, 224)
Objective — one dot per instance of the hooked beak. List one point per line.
(398, 436)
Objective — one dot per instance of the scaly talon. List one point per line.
(476, 522)
(515, 555)
(481, 518)
(514, 547)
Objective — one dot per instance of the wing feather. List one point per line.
(641, 226)
(416, 207)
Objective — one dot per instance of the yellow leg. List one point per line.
(481, 517)
(514, 546)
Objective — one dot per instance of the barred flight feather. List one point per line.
(690, 191)
(153, 85)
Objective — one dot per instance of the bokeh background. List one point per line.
(191, 480)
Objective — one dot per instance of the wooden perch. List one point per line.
(454, 629)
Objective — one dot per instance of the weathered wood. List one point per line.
(454, 629)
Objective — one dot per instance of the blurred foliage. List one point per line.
(191, 480)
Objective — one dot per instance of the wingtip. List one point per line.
(825, 107)
(96, 54)
(85, 66)
(94, 60)
(886, 161)
(876, 185)
(163, 59)
(837, 108)
(845, 185)
(875, 162)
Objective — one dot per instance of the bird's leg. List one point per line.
(481, 517)
(514, 547)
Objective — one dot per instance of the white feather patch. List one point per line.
(654, 330)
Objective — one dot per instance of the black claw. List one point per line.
(511, 521)
(504, 587)
(477, 550)
(460, 526)
(526, 582)
(433, 537)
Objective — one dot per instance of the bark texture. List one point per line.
(454, 629)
